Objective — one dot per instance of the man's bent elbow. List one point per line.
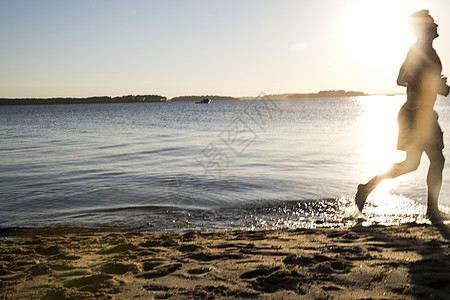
(401, 82)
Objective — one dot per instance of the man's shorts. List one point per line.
(418, 130)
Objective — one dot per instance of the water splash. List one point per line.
(382, 209)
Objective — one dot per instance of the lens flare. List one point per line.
(377, 31)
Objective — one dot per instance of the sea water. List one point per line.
(261, 163)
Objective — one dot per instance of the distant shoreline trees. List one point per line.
(159, 98)
(321, 94)
(89, 100)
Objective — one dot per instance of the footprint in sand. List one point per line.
(161, 271)
(319, 263)
(199, 271)
(205, 256)
(150, 264)
(48, 251)
(94, 283)
(155, 287)
(62, 267)
(40, 269)
(260, 271)
(189, 248)
(332, 267)
(301, 261)
(159, 243)
(118, 268)
(118, 249)
(74, 273)
(345, 249)
(282, 279)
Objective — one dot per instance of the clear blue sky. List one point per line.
(238, 48)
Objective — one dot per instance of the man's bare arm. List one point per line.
(401, 79)
(444, 88)
(411, 69)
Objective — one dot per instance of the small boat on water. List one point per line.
(204, 101)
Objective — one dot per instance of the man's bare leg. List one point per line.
(411, 163)
(434, 183)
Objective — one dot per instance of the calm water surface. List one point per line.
(226, 165)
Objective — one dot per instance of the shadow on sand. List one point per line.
(428, 274)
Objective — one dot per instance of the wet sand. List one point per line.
(409, 261)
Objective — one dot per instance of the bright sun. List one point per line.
(376, 31)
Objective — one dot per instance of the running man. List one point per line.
(419, 130)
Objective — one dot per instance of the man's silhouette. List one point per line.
(419, 130)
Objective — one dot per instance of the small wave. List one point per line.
(326, 212)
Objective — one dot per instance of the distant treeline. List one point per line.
(89, 100)
(321, 94)
(198, 98)
(158, 98)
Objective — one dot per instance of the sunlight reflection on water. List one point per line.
(379, 129)
(381, 209)
(388, 209)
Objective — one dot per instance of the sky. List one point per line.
(224, 47)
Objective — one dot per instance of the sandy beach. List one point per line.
(409, 261)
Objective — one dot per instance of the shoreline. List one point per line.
(406, 261)
(160, 99)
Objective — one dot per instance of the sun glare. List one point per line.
(378, 125)
(376, 31)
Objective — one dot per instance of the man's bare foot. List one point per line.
(437, 216)
(361, 196)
